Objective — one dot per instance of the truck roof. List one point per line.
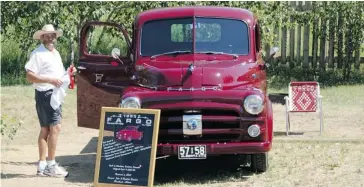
(189, 11)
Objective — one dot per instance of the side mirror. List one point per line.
(115, 53)
(272, 52)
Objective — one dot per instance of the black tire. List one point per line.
(259, 162)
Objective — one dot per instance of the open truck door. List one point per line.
(102, 76)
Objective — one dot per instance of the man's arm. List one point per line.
(33, 78)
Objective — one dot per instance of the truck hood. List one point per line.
(196, 74)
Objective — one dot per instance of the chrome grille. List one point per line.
(171, 120)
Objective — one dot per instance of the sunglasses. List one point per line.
(49, 36)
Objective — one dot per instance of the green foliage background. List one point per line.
(19, 20)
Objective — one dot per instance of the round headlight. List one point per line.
(130, 102)
(253, 104)
(254, 130)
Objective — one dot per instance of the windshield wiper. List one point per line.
(217, 53)
(172, 53)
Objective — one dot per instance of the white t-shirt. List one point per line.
(47, 64)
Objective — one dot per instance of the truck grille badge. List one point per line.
(192, 125)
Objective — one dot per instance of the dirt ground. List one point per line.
(306, 159)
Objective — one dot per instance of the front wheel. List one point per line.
(259, 162)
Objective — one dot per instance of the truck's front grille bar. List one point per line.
(217, 126)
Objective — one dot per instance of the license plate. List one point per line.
(192, 152)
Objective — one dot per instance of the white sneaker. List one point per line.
(40, 170)
(55, 171)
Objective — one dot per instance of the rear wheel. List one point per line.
(259, 162)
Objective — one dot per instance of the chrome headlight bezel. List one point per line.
(254, 130)
(126, 101)
(254, 104)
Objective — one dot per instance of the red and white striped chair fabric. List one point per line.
(303, 97)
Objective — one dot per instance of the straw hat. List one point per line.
(46, 30)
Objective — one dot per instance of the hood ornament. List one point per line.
(191, 67)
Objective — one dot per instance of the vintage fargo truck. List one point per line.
(204, 69)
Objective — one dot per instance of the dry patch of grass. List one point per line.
(327, 164)
(18, 103)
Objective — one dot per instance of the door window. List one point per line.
(102, 39)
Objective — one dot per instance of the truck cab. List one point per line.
(201, 66)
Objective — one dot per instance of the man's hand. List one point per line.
(56, 82)
(73, 70)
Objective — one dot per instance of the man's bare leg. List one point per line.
(54, 131)
(42, 142)
(53, 169)
(42, 146)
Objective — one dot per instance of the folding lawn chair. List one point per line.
(303, 97)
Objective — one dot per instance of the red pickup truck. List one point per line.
(129, 133)
(203, 67)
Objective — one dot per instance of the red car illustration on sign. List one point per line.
(129, 133)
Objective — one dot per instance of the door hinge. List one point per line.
(98, 77)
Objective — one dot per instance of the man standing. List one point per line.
(47, 73)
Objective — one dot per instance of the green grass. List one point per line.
(345, 95)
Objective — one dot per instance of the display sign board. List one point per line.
(127, 146)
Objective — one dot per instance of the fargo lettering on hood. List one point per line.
(180, 89)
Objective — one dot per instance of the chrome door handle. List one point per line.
(81, 67)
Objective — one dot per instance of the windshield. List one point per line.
(212, 35)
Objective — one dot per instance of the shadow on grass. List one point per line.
(5, 176)
(213, 170)
(170, 170)
(19, 163)
(80, 167)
